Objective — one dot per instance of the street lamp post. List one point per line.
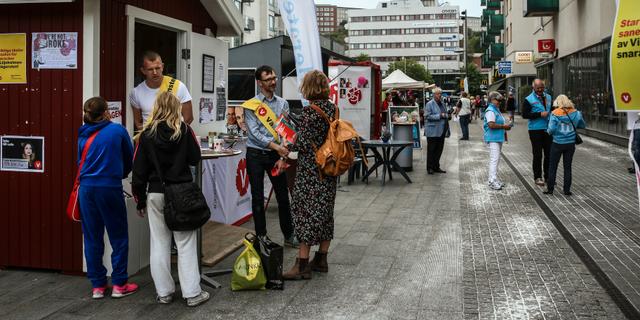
(463, 13)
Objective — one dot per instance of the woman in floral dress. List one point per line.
(313, 196)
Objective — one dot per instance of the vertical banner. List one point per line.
(351, 92)
(13, 58)
(625, 56)
(299, 18)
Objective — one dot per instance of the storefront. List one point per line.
(103, 39)
(585, 78)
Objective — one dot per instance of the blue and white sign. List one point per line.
(299, 18)
(504, 67)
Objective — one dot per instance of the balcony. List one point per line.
(487, 62)
(485, 16)
(493, 5)
(483, 3)
(496, 24)
(540, 8)
(496, 51)
(486, 40)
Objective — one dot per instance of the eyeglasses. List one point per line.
(274, 79)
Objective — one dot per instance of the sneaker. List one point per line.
(292, 242)
(502, 184)
(199, 299)
(164, 300)
(540, 182)
(98, 293)
(495, 186)
(124, 290)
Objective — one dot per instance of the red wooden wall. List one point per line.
(34, 231)
(113, 38)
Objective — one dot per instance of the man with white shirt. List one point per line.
(143, 97)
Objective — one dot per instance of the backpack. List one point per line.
(336, 155)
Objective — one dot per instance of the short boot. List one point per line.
(319, 262)
(301, 270)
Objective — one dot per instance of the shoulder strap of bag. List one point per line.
(85, 150)
(573, 125)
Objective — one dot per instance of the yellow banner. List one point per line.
(13, 58)
(264, 114)
(625, 56)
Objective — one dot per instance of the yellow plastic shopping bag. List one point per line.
(248, 273)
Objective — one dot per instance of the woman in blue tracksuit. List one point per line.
(108, 161)
(562, 126)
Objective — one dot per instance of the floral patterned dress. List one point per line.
(313, 198)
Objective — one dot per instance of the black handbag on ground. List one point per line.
(271, 255)
(578, 138)
(185, 208)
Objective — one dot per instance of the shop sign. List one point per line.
(546, 45)
(524, 56)
(13, 58)
(435, 24)
(504, 67)
(22, 153)
(625, 56)
(54, 50)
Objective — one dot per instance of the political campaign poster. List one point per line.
(625, 56)
(54, 50)
(350, 89)
(13, 58)
(22, 153)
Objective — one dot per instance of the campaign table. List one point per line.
(220, 239)
(384, 157)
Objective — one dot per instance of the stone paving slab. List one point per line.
(516, 263)
(603, 215)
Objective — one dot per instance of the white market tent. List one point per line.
(399, 80)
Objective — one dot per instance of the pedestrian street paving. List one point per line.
(443, 247)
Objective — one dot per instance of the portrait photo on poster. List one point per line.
(22, 153)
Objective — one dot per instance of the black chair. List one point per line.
(359, 167)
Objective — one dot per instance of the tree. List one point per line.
(340, 34)
(363, 57)
(411, 68)
(475, 79)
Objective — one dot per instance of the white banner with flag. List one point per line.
(299, 17)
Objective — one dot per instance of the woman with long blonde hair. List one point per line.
(167, 143)
(562, 127)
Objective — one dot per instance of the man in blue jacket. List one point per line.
(436, 129)
(536, 107)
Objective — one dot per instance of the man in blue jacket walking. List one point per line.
(536, 107)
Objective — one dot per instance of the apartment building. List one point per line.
(261, 20)
(407, 29)
(330, 17)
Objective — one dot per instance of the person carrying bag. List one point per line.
(163, 187)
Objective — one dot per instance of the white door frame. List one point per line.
(183, 28)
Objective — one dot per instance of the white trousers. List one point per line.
(160, 260)
(494, 160)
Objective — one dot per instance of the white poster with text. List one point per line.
(350, 90)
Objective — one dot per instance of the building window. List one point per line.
(510, 32)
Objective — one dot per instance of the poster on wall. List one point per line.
(206, 110)
(13, 58)
(22, 153)
(350, 90)
(115, 111)
(221, 103)
(625, 56)
(208, 73)
(54, 50)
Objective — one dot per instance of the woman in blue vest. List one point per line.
(564, 120)
(494, 132)
(537, 107)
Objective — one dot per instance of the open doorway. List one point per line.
(162, 41)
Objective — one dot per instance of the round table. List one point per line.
(385, 158)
